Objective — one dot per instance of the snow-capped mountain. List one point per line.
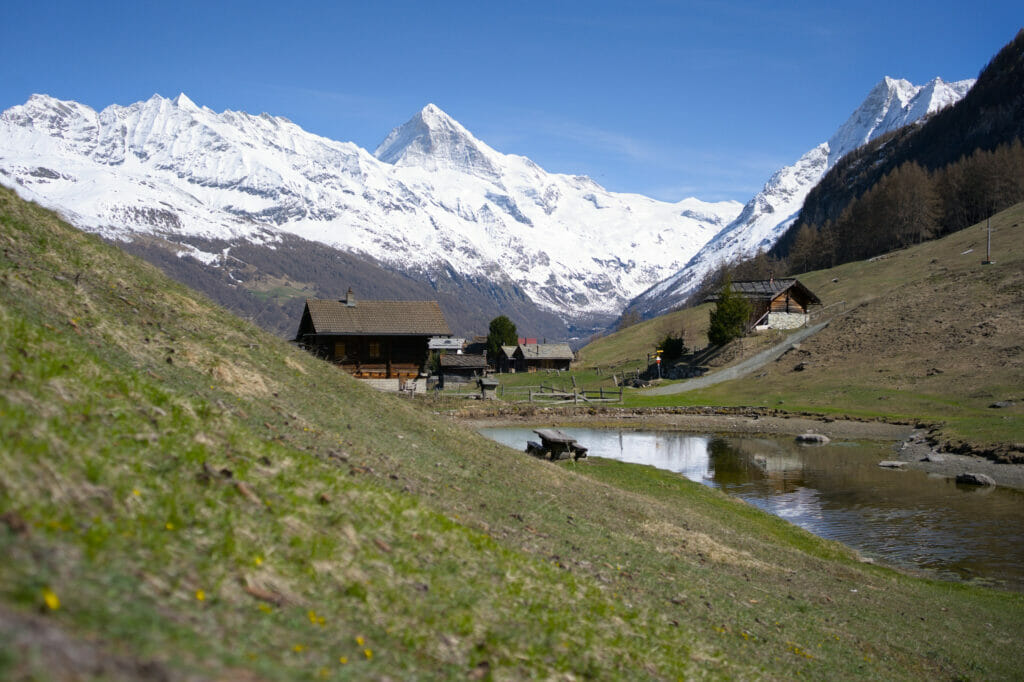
(891, 104)
(431, 198)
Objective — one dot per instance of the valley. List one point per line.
(186, 494)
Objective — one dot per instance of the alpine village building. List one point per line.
(775, 303)
(382, 342)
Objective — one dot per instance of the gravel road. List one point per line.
(744, 368)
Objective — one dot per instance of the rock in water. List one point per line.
(812, 438)
(970, 478)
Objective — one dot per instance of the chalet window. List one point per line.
(339, 350)
(374, 348)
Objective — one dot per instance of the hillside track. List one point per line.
(748, 366)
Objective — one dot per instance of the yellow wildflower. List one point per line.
(343, 659)
(200, 595)
(368, 654)
(136, 492)
(298, 648)
(258, 560)
(51, 599)
(169, 526)
(265, 608)
(359, 640)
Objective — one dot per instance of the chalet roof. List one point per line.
(394, 318)
(464, 361)
(508, 350)
(546, 351)
(768, 289)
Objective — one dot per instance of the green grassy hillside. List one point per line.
(184, 496)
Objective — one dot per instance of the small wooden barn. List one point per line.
(775, 303)
(377, 340)
(461, 368)
(506, 360)
(529, 357)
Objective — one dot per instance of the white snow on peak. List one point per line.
(431, 140)
(891, 104)
(183, 102)
(433, 196)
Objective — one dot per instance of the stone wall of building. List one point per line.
(786, 320)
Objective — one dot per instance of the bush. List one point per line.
(672, 347)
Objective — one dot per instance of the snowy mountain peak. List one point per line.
(431, 140)
(892, 103)
(183, 102)
(435, 199)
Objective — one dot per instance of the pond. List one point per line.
(838, 491)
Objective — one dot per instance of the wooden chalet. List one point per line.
(775, 303)
(380, 340)
(529, 357)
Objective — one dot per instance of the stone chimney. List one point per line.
(350, 299)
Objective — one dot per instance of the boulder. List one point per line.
(1002, 403)
(812, 438)
(973, 478)
(891, 464)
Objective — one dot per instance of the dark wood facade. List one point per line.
(766, 297)
(372, 339)
(529, 357)
(462, 368)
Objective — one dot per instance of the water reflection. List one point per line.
(838, 491)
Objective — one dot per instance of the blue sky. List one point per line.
(669, 99)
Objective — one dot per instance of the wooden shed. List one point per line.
(529, 357)
(506, 360)
(775, 303)
(372, 339)
(461, 368)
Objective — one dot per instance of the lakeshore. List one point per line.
(910, 443)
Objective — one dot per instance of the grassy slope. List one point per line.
(930, 307)
(202, 496)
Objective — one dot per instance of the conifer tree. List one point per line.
(730, 316)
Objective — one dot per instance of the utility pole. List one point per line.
(988, 249)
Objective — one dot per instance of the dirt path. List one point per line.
(741, 369)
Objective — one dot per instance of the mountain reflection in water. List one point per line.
(838, 491)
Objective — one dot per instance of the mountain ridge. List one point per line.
(436, 200)
(891, 104)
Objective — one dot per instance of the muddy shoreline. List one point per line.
(910, 443)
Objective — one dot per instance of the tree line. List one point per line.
(908, 206)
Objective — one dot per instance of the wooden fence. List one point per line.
(551, 395)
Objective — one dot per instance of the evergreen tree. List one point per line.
(500, 333)
(730, 316)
